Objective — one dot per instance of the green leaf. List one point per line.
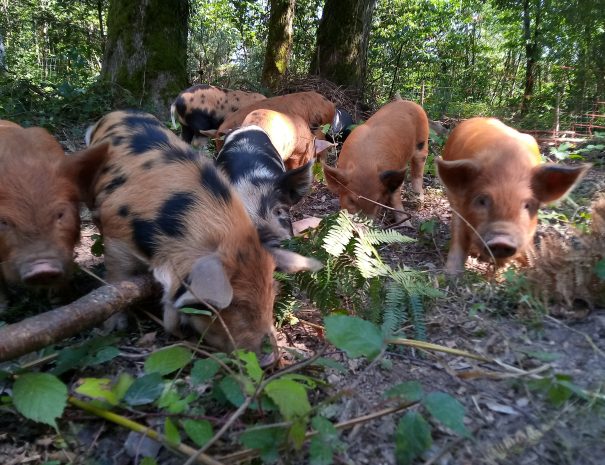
(171, 400)
(409, 390)
(98, 388)
(325, 443)
(412, 438)
(290, 397)
(199, 431)
(330, 363)
(542, 355)
(447, 410)
(171, 432)
(253, 369)
(105, 354)
(203, 370)
(124, 382)
(145, 389)
(195, 311)
(267, 440)
(40, 397)
(355, 336)
(165, 361)
(232, 390)
(148, 461)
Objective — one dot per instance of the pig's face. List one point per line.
(364, 192)
(37, 240)
(504, 216)
(500, 203)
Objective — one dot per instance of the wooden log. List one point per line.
(50, 327)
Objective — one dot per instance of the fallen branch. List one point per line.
(50, 327)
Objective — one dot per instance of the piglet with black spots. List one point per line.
(39, 207)
(257, 171)
(203, 107)
(162, 207)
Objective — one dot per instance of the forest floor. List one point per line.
(509, 414)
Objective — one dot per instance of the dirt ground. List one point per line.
(510, 422)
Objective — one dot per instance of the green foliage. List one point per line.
(355, 276)
(412, 438)
(40, 397)
(355, 336)
(168, 360)
(558, 388)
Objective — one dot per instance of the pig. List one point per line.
(203, 107)
(372, 163)
(165, 209)
(289, 134)
(256, 170)
(313, 108)
(495, 181)
(39, 208)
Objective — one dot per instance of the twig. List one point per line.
(435, 347)
(248, 454)
(142, 429)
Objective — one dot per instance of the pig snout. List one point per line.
(42, 272)
(502, 246)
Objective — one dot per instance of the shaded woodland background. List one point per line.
(540, 63)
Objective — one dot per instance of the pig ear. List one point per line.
(211, 133)
(291, 262)
(208, 283)
(550, 182)
(392, 179)
(321, 145)
(83, 167)
(457, 175)
(335, 178)
(294, 184)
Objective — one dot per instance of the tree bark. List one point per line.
(533, 49)
(279, 43)
(146, 49)
(342, 42)
(50, 327)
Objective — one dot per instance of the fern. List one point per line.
(355, 276)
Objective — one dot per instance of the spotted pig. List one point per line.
(313, 108)
(163, 208)
(39, 207)
(256, 170)
(373, 160)
(495, 183)
(203, 107)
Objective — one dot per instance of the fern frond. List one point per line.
(417, 314)
(339, 236)
(394, 308)
(388, 236)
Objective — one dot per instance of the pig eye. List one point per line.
(4, 224)
(531, 206)
(483, 201)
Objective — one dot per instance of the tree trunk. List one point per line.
(342, 42)
(279, 43)
(533, 50)
(146, 49)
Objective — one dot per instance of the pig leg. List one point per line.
(416, 172)
(459, 247)
(397, 203)
(120, 265)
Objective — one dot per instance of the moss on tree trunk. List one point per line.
(342, 42)
(279, 43)
(146, 49)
